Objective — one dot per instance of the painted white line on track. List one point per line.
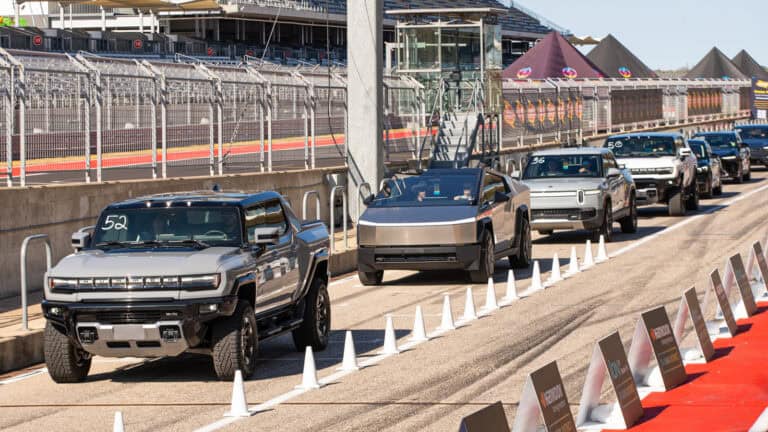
(761, 424)
(24, 376)
(686, 221)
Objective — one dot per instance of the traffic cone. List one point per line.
(390, 339)
(469, 307)
(554, 275)
(309, 377)
(118, 425)
(349, 362)
(490, 298)
(602, 254)
(446, 323)
(419, 333)
(587, 262)
(573, 264)
(238, 407)
(536, 278)
(511, 294)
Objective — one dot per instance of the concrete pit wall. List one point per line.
(59, 210)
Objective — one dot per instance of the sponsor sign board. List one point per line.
(665, 347)
(690, 308)
(747, 298)
(488, 419)
(544, 399)
(722, 301)
(609, 356)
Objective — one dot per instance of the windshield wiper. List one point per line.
(111, 243)
(192, 242)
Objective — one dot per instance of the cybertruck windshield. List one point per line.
(641, 146)
(165, 227)
(429, 191)
(562, 166)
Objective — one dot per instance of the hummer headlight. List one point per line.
(200, 282)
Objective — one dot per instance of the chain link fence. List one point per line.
(89, 118)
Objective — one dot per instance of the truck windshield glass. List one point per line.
(173, 226)
(698, 148)
(754, 132)
(563, 166)
(429, 190)
(641, 146)
(724, 141)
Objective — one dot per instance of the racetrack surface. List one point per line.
(433, 385)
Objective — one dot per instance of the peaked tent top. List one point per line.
(715, 65)
(749, 66)
(617, 61)
(552, 57)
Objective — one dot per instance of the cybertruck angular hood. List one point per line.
(151, 262)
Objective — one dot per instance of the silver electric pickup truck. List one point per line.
(205, 272)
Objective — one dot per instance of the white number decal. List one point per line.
(615, 144)
(538, 160)
(116, 222)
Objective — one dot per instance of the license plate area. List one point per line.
(127, 332)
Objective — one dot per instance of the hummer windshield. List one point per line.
(641, 146)
(197, 227)
(429, 190)
(562, 166)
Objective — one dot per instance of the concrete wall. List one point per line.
(59, 210)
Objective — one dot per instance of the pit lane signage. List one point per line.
(722, 300)
(488, 419)
(747, 298)
(757, 250)
(690, 308)
(609, 356)
(654, 338)
(544, 399)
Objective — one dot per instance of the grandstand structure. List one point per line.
(288, 32)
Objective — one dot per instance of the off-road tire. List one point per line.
(525, 251)
(230, 338)
(629, 222)
(708, 189)
(315, 328)
(739, 177)
(676, 204)
(606, 227)
(487, 260)
(692, 202)
(371, 278)
(65, 362)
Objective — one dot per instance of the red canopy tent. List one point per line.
(553, 57)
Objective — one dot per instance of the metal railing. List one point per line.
(332, 225)
(304, 202)
(23, 265)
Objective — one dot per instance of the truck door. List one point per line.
(501, 212)
(617, 186)
(277, 271)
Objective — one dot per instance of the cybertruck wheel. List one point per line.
(65, 362)
(487, 261)
(629, 222)
(235, 343)
(371, 278)
(315, 328)
(692, 203)
(525, 251)
(676, 204)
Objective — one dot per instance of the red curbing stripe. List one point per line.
(728, 394)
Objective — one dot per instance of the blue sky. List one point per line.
(667, 34)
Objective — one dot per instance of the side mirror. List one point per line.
(500, 197)
(684, 152)
(265, 236)
(81, 240)
(515, 175)
(613, 172)
(368, 200)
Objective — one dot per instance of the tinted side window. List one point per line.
(266, 215)
(491, 184)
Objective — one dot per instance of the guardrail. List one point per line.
(304, 200)
(23, 262)
(332, 225)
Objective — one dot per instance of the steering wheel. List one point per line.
(216, 233)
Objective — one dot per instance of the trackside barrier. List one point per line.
(23, 265)
(304, 200)
(333, 214)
